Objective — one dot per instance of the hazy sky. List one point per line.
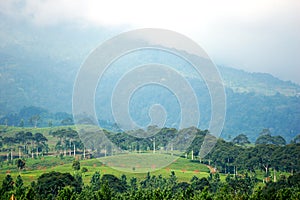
(254, 35)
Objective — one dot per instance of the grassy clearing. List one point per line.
(132, 165)
(183, 168)
(116, 165)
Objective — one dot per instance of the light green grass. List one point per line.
(183, 168)
(156, 163)
(116, 165)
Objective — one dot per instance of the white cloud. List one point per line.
(256, 35)
(173, 14)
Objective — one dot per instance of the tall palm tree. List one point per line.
(40, 141)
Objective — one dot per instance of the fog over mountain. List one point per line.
(39, 67)
(39, 64)
(251, 35)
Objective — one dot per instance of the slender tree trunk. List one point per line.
(37, 151)
(234, 172)
(60, 149)
(192, 154)
(154, 145)
(32, 149)
(266, 169)
(70, 149)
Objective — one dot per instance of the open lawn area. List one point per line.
(183, 168)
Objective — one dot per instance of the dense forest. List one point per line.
(56, 185)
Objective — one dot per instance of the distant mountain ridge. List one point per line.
(261, 83)
(39, 67)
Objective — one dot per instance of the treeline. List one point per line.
(232, 157)
(239, 156)
(24, 143)
(56, 185)
(268, 153)
(129, 141)
(229, 158)
(249, 113)
(32, 116)
(27, 144)
(246, 112)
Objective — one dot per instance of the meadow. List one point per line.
(183, 168)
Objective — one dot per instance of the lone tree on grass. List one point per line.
(76, 165)
(20, 164)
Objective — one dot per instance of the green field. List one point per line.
(183, 168)
(132, 165)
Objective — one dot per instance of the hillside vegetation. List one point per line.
(46, 167)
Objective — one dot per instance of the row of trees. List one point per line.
(25, 143)
(129, 141)
(163, 136)
(68, 140)
(28, 144)
(227, 157)
(56, 185)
